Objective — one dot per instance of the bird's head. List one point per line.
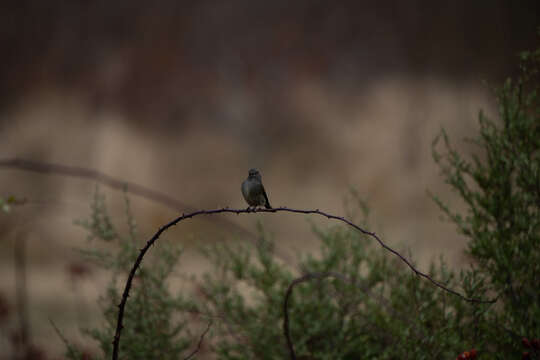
(254, 173)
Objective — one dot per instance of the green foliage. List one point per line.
(155, 327)
(99, 225)
(501, 189)
(4, 205)
(7, 203)
(377, 310)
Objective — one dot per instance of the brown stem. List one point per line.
(21, 293)
(200, 342)
(288, 293)
(149, 243)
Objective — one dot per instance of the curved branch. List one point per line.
(288, 293)
(149, 243)
(194, 352)
(319, 275)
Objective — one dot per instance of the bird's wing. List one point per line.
(267, 203)
(244, 189)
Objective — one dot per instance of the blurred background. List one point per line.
(183, 97)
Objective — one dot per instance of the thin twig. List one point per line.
(288, 293)
(200, 342)
(149, 243)
(22, 292)
(71, 350)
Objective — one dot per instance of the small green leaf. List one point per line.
(5, 207)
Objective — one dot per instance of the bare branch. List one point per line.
(102, 178)
(21, 290)
(149, 243)
(288, 293)
(200, 342)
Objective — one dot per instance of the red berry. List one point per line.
(526, 355)
(473, 353)
(466, 354)
(525, 342)
(536, 344)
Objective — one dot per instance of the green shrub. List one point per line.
(501, 189)
(375, 308)
(385, 311)
(155, 324)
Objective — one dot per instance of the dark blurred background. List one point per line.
(184, 97)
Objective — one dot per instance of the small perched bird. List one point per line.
(253, 190)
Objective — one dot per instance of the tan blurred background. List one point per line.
(183, 97)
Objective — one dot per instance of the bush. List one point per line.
(155, 323)
(370, 306)
(502, 192)
(385, 312)
(375, 309)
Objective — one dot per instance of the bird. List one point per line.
(253, 190)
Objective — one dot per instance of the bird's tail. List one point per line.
(266, 202)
